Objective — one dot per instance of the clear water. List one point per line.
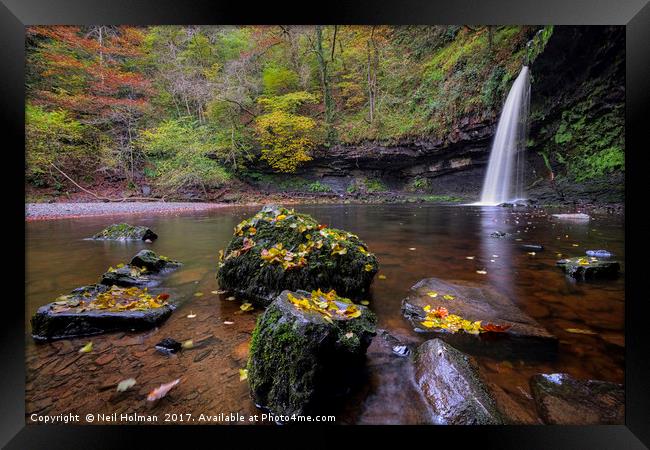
(60, 380)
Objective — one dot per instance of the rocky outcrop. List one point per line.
(280, 249)
(304, 351)
(125, 232)
(450, 382)
(97, 309)
(563, 400)
(475, 319)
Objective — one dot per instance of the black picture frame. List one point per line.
(634, 14)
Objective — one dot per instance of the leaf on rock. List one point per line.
(494, 328)
(162, 390)
(246, 307)
(125, 384)
(86, 348)
(579, 331)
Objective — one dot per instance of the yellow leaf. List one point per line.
(579, 331)
(243, 374)
(365, 302)
(432, 294)
(381, 277)
(198, 294)
(86, 348)
(246, 307)
(188, 344)
(448, 297)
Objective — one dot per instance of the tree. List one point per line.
(286, 137)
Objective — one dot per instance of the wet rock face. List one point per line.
(153, 262)
(280, 249)
(563, 400)
(126, 232)
(450, 382)
(142, 271)
(474, 302)
(589, 268)
(49, 324)
(301, 363)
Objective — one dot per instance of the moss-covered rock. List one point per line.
(306, 350)
(589, 267)
(147, 259)
(280, 249)
(125, 232)
(96, 309)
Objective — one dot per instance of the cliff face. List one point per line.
(576, 133)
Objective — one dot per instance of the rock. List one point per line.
(279, 249)
(146, 190)
(301, 363)
(450, 382)
(531, 247)
(126, 276)
(71, 318)
(126, 232)
(142, 270)
(153, 262)
(168, 345)
(599, 253)
(498, 234)
(575, 217)
(583, 268)
(525, 337)
(563, 400)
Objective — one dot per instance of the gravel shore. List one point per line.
(44, 211)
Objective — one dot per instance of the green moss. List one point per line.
(442, 199)
(325, 258)
(317, 186)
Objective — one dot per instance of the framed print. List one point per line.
(375, 218)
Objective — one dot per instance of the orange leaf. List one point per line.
(495, 328)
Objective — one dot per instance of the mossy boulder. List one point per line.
(279, 249)
(307, 351)
(126, 232)
(144, 270)
(589, 267)
(96, 309)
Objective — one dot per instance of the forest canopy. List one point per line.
(187, 107)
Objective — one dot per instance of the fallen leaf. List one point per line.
(188, 344)
(411, 248)
(228, 322)
(230, 299)
(246, 307)
(432, 294)
(579, 331)
(243, 374)
(162, 390)
(191, 315)
(86, 348)
(219, 292)
(381, 277)
(469, 257)
(163, 296)
(349, 335)
(125, 384)
(532, 253)
(481, 272)
(364, 302)
(494, 328)
(575, 245)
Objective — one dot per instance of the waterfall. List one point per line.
(504, 180)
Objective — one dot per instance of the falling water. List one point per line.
(504, 180)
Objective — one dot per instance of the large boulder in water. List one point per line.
(125, 232)
(563, 400)
(450, 382)
(98, 309)
(280, 249)
(476, 319)
(589, 268)
(306, 351)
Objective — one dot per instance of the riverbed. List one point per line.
(411, 242)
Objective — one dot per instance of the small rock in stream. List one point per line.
(168, 345)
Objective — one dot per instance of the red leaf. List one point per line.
(495, 328)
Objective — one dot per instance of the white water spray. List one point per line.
(504, 180)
